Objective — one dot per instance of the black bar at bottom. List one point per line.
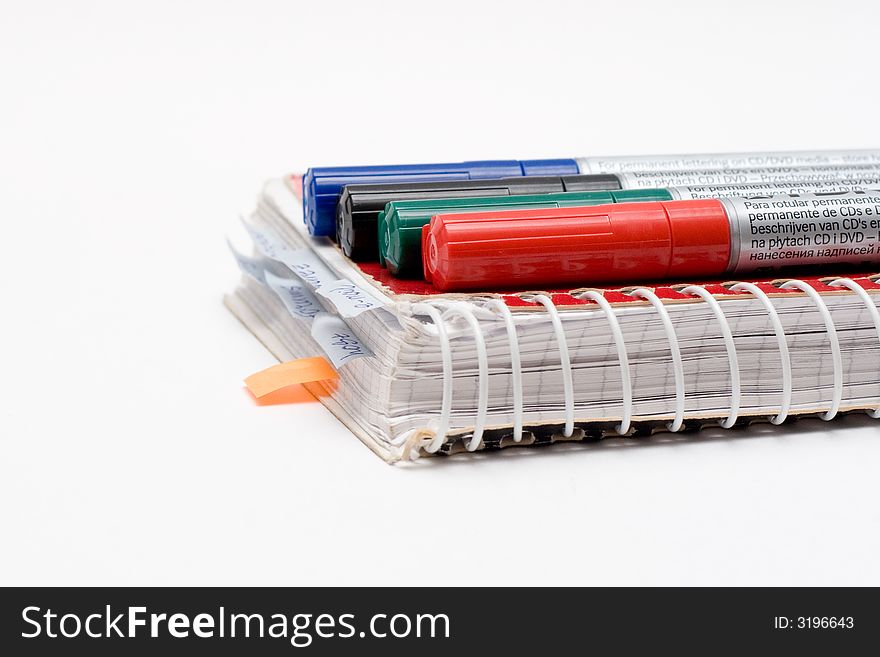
(429, 621)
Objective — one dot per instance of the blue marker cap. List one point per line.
(322, 186)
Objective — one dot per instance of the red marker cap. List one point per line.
(576, 246)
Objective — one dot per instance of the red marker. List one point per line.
(649, 241)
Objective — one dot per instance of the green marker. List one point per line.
(400, 224)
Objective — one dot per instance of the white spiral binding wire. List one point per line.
(515, 365)
(781, 340)
(822, 307)
(483, 367)
(625, 379)
(500, 307)
(677, 365)
(446, 353)
(872, 310)
(735, 390)
(564, 361)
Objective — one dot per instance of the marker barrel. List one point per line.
(400, 223)
(359, 206)
(322, 186)
(691, 192)
(754, 176)
(650, 241)
(570, 246)
(698, 161)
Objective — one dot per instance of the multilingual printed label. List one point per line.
(821, 228)
(772, 189)
(622, 164)
(349, 299)
(653, 179)
(339, 342)
(296, 298)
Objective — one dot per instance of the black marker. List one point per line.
(358, 210)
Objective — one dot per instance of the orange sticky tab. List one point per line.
(295, 394)
(303, 370)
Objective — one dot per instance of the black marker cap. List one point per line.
(357, 212)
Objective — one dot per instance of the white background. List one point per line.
(131, 134)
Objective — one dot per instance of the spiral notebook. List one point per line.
(419, 373)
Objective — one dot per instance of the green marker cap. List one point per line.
(400, 224)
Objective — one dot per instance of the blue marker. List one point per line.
(322, 186)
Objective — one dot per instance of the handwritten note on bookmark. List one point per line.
(267, 243)
(250, 266)
(303, 262)
(282, 375)
(349, 299)
(338, 341)
(309, 267)
(296, 298)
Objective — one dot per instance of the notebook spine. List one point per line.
(441, 313)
